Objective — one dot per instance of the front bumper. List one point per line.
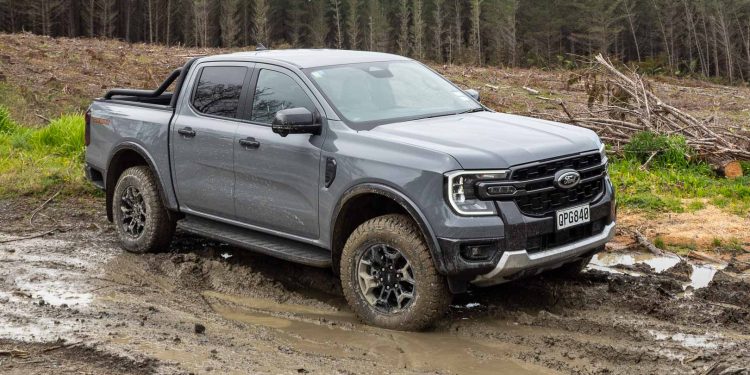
(515, 264)
(527, 245)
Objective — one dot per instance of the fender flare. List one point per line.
(109, 185)
(405, 202)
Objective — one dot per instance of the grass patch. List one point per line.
(659, 242)
(673, 175)
(34, 161)
(695, 205)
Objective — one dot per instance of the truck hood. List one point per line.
(489, 140)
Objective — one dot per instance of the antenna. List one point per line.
(260, 47)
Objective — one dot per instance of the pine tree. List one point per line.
(438, 30)
(260, 22)
(336, 10)
(403, 37)
(418, 29)
(318, 27)
(378, 28)
(352, 24)
(475, 39)
(229, 22)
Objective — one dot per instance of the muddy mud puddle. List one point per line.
(701, 274)
(205, 307)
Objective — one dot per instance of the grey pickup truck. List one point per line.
(369, 163)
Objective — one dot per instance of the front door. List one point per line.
(277, 177)
(202, 139)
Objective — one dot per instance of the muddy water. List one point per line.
(700, 277)
(415, 351)
(53, 279)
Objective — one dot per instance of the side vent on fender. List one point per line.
(330, 171)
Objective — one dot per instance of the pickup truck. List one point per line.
(372, 164)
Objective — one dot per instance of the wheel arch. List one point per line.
(124, 156)
(348, 215)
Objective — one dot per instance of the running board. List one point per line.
(263, 243)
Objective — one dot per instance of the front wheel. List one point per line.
(142, 222)
(389, 278)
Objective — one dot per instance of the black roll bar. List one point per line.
(145, 93)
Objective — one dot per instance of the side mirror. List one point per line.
(473, 93)
(295, 121)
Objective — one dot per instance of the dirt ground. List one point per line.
(73, 302)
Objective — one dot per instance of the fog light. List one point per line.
(478, 251)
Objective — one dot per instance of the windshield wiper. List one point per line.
(450, 114)
(473, 110)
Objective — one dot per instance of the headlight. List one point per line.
(462, 195)
(603, 155)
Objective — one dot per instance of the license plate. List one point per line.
(571, 217)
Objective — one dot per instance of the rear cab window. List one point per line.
(218, 90)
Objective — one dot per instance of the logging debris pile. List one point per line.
(622, 104)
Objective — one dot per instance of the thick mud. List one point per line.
(73, 302)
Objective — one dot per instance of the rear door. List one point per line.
(202, 138)
(277, 177)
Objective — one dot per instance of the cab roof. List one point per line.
(308, 58)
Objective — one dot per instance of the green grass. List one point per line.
(675, 180)
(34, 161)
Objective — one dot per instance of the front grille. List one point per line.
(539, 204)
(543, 242)
(549, 169)
(536, 194)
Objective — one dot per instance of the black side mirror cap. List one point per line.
(295, 121)
(473, 93)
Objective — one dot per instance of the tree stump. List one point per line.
(731, 169)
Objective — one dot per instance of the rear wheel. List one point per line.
(142, 222)
(388, 275)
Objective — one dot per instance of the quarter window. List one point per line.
(218, 90)
(276, 91)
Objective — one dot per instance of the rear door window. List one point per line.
(218, 90)
(276, 91)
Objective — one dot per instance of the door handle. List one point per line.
(187, 132)
(249, 142)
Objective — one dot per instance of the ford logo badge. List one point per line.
(567, 179)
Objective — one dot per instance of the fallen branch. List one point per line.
(36, 211)
(62, 346)
(704, 257)
(643, 241)
(531, 91)
(648, 161)
(30, 237)
(42, 117)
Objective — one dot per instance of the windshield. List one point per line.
(376, 93)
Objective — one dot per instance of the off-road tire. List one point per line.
(159, 225)
(431, 293)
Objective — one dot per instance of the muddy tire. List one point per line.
(142, 223)
(389, 278)
(572, 270)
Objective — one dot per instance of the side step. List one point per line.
(259, 242)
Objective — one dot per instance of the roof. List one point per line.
(311, 58)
